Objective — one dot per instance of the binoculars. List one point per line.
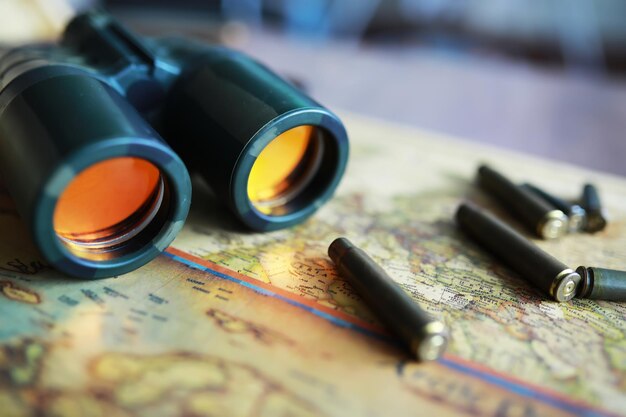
(98, 132)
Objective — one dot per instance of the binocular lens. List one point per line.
(284, 168)
(108, 204)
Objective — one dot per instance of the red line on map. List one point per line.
(537, 388)
(287, 294)
(370, 327)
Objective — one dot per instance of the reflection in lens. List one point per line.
(284, 168)
(108, 204)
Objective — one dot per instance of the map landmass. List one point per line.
(229, 322)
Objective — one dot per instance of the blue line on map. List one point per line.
(499, 381)
(523, 390)
(260, 290)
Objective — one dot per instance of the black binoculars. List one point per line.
(97, 134)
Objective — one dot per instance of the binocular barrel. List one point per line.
(269, 151)
(91, 131)
(101, 192)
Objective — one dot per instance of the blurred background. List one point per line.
(545, 77)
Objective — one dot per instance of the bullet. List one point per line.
(533, 264)
(601, 284)
(427, 338)
(536, 213)
(596, 219)
(576, 214)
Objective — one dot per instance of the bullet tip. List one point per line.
(554, 224)
(338, 248)
(433, 343)
(565, 285)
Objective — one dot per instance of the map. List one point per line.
(233, 323)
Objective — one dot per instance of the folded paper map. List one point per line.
(233, 323)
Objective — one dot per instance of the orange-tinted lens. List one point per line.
(281, 166)
(108, 201)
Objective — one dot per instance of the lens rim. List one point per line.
(154, 151)
(319, 118)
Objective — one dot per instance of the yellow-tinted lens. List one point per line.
(283, 168)
(108, 203)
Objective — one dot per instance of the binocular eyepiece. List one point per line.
(97, 134)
